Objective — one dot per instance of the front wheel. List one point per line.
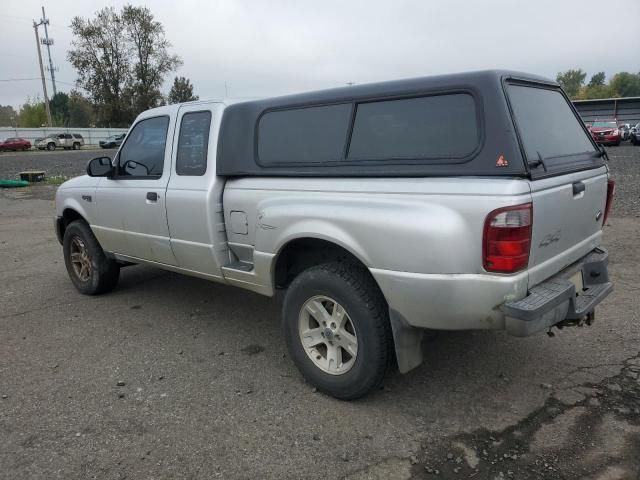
(337, 329)
(88, 267)
(51, 146)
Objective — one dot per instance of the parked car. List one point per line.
(367, 206)
(113, 141)
(67, 141)
(606, 132)
(634, 134)
(625, 129)
(15, 144)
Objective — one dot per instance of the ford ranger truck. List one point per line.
(367, 207)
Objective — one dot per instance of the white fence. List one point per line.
(91, 135)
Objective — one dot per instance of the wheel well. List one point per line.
(69, 215)
(300, 254)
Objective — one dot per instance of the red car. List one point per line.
(606, 132)
(15, 144)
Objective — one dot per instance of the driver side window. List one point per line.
(142, 155)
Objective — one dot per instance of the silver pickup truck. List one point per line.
(467, 201)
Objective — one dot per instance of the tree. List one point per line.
(152, 60)
(571, 81)
(625, 84)
(181, 91)
(101, 56)
(122, 59)
(59, 106)
(81, 112)
(8, 116)
(33, 114)
(597, 79)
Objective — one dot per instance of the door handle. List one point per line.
(152, 196)
(578, 188)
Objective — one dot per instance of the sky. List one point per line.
(251, 48)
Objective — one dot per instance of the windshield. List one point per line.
(604, 124)
(547, 125)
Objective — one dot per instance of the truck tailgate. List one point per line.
(568, 212)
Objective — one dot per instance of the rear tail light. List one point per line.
(507, 239)
(611, 188)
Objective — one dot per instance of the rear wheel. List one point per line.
(337, 329)
(89, 268)
(51, 146)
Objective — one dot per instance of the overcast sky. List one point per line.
(274, 47)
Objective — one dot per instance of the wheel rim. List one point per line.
(80, 259)
(328, 335)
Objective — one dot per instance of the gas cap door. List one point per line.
(239, 223)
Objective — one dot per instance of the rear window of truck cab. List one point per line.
(548, 128)
(438, 127)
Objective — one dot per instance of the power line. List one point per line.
(18, 79)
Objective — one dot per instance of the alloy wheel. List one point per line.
(328, 335)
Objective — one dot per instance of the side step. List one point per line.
(239, 266)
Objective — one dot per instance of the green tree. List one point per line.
(81, 112)
(571, 81)
(59, 106)
(122, 60)
(8, 116)
(33, 114)
(625, 84)
(151, 61)
(101, 56)
(597, 79)
(181, 91)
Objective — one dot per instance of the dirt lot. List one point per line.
(207, 390)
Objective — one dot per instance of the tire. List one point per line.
(51, 146)
(101, 273)
(365, 318)
(76, 146)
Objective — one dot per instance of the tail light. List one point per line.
(611, 188)
(507, 239)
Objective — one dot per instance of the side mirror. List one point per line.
(100, 167)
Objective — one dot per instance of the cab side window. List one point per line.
(142, 155)
(193, 143)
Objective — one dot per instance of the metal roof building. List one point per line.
(625, 110)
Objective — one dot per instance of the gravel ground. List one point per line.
(175, 377)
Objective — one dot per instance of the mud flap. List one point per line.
(407, 341)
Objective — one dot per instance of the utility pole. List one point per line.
(48, 42)
(44, 83)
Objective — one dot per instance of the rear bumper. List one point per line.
(556, 299)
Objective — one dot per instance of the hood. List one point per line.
(603, 129)
(83, 181)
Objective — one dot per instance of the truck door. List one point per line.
(132, 217)
(194, 194)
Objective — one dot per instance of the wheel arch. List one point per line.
(298, 254)
(69, 214)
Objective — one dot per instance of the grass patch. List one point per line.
(56, 180)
